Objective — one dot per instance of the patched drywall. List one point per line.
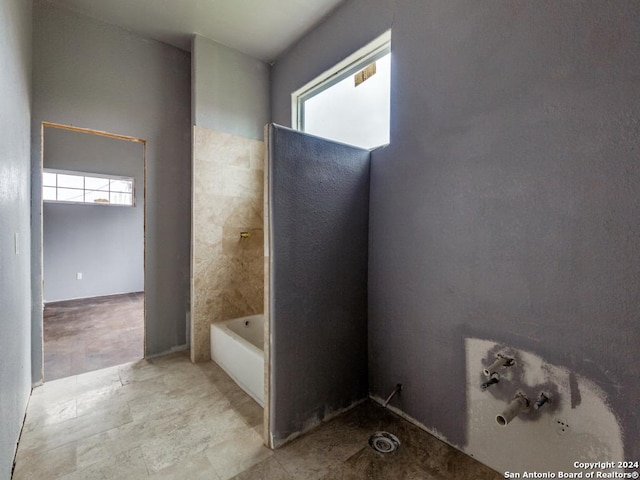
(97, 76)
(104, 243)
(15, 251)
(575, 424)
(318, 200)
(505, 206)
(227, 268)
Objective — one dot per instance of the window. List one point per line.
(76, 187)
(350, 103)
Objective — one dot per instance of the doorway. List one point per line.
(93, 246)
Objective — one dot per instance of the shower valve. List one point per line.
(493, 379)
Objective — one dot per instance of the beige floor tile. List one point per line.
(188, 435)
(51, 436)
(370, 464)
(127, 465)
(185, 376)
(99, 378)
(312, 455)
(107, 444)
(270, 469)
(250, 411)
(54, 412)
(69, 388)
(100, 448)
(194, 467)
(142, 388)
(167, 418)
(62, 390)
(105, 399)
(169, 402)
(138, 372)
(238, 454)
(49, 464)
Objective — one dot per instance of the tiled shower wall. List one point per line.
(227, 271)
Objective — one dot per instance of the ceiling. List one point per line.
(262, 29)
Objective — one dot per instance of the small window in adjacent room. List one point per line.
(350, 103)
(76, 187)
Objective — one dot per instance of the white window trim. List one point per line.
(355, 62)
(93, 175)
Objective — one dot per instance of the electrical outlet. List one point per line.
(79, 276)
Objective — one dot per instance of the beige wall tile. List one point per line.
(227, 271)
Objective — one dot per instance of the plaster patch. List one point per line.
(577, 425)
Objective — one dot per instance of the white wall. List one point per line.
(15, 287)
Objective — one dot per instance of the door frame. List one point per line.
(116, 136)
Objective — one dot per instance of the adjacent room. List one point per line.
(340, 239)
(93, 251)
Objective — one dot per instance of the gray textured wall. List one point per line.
(506, 206)
(319, 207)
(15, 169)
(105, 243)
(97, 76)
(230, 90)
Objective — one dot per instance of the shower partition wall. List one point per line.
(317, 194)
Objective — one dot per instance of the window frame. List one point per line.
(84, 189)
(351, 65)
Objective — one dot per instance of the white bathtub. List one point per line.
(238, 347)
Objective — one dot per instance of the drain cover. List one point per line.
(384, 442)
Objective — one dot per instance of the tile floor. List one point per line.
(92, 333)
(167, 418)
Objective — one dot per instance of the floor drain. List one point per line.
(384, 442)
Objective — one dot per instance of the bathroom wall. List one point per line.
(318, 209)
(104, 243)
(575, 424)
(227, 270)
(94, 75)
(15, 287)
(505, 209)
(231, 89)
(230, 108)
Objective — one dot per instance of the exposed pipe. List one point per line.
(500, 362)
(398, 389)
(519, 404)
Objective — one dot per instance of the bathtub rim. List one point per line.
(223, 325)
